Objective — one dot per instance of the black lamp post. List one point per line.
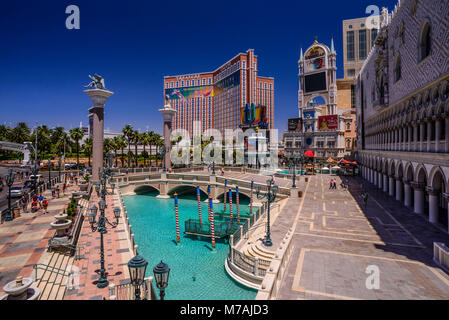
(137, 267)
(10, 177)
(213, 168)
(161, 273)
(271, 197)
(34, 177)
(101, 227)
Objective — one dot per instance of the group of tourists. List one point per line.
(37, 202)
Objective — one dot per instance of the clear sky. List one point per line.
(133, 44)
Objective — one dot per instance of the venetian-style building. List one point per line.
(321, 124)
(403, 108)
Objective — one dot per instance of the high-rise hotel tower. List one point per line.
(218, 99)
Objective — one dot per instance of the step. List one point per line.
(59, 293)
(50, 280)
(265, 254)
(60, 280)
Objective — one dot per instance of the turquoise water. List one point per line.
(197, 271)
(290, 172)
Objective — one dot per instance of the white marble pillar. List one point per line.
(398, 189)
(429, 135)
(407, 194)
(433, 205)
(419, 199)
(375, 177)
(391, 186)
(385, 183)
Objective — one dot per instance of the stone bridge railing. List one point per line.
(165, 183)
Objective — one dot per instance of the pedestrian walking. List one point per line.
(24, 201)
(57, 191)
(45, 205)
(53, 192)
(365, 199)
(63, 188)
(41, 199)
(331, 184)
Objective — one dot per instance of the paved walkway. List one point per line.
(336, 241)
(23, 241)
(117, 253)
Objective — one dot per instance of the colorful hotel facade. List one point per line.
(218, 99)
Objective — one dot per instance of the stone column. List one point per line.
(421, 136)
(391, 186)
(407, 194)
(433, 205)
(400, 138)
(446, 149)
(437, 135)
(429, 135)
(375, 178)
(415, 137)
(96, 113)
(380, 181)
(398, 189)
(446, 197)
(419, 197)
(385, 183)
(167, 113)
(409, 136)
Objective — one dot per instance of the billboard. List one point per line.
(191, 92)
(315, 82)
(328, 122)
(313, 65)
(294, 124)
(252, 116)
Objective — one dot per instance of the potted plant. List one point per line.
(83, 186)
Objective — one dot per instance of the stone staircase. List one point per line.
(256, 250)
(52, 276)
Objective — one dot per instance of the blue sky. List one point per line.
(133, 44)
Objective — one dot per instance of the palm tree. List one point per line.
(76, 135)
(145, 140)
(20, 133)
(116, 146)
(121, 144)
(152, 138)
(136, 140)
(159, 142)
(128, 133)
(88, 147)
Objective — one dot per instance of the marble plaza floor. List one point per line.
(337, 239)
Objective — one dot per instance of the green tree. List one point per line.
(77, 134)
(21, 133)
(145, 140)
(88, 148)
(128, 133)
(136, 141)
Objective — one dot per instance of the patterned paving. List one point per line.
(336, 240)
(23, 241)
(117, 255)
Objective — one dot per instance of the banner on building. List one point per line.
(191, 92)
(328, 122)
(294, 124)
(314, 64)
(252, 116)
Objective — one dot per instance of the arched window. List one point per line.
(397, 70)
(425, 41)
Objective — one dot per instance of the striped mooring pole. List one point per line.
(238, 207)
(212, 230)
(251, 198)
(224, 206)
(199, 203)
(208, 196)
(230, 202)
(178, 238)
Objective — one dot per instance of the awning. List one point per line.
(309, 154)
(336, 168)
(325, 168)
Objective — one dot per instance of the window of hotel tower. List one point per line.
(350, 46)
(362, 44)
